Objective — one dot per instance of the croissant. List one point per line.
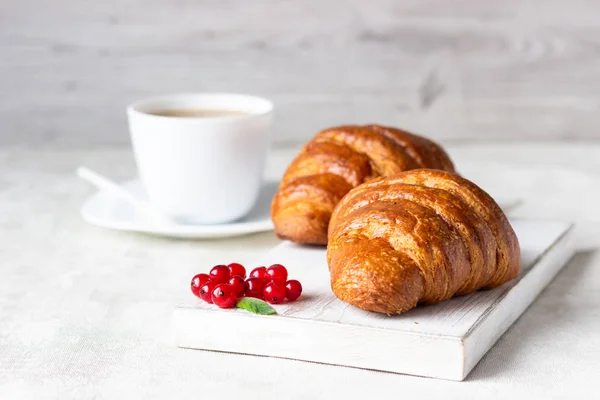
(421, 236)
(337, 160)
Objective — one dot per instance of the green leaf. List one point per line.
(256, 306)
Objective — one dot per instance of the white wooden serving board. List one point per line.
(441, 341)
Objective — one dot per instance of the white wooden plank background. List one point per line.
(452, 70)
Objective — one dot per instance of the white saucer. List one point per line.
(107, 211)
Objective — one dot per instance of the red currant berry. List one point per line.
(219, 274)
(237, 269)
(254, 288)
(224, 296)
(198, 281)
(293, 290)
(238, 284)
(206, 291)
(277, 273)
(274, 293)
(260, 273)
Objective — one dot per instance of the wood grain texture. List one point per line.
(450, 70)
(441, 341)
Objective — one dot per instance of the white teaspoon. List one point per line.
(105, 184)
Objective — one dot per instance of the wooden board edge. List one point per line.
(508, 308)
(325, 342)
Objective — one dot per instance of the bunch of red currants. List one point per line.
(224, 284)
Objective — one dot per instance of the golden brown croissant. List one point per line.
(421, 236)
(335, 161)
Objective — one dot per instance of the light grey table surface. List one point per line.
(86, 312)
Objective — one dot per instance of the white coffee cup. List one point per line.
(203, 169)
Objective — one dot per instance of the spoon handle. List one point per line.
(105, 184)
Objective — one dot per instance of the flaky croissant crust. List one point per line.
(421, 236)
(337, 160)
